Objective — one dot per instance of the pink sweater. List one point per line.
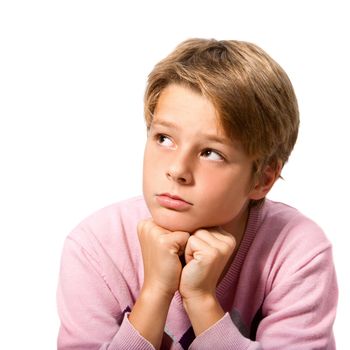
(279, 293)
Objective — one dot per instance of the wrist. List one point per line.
(148, 316)
(156, 293)
(203, 311)
(204, 301)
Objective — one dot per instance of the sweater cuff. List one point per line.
(129, 338)
(222, 335)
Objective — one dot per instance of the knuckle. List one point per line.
(229, 241)
(191, 239)
(231, 244)
(185, 235)
(214, 253)
(227, 249)
(140, 229)
(162, 240)
(200, 233)
(144, 225)
(140, 226)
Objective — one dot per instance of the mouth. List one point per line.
(173, 202)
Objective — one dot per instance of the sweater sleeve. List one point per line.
(223, 335)
(299, 309)
(297, 313)
(91, 317)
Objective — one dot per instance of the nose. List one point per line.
(180, 170)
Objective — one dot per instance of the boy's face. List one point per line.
(194, 176)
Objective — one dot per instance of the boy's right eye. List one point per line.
(164, 140)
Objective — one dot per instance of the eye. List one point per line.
(164, 140)
(212, 154)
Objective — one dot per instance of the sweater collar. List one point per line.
(178, 323)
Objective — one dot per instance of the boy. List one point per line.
(203, 260)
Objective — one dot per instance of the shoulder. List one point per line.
(284, 220)
(113, 225)
(293, 278)
(290, 238)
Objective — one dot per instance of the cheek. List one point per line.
(151, 168)
(148, 160)
(229, 187)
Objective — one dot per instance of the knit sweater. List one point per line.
(280, 291)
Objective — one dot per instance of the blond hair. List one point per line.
(252, 94)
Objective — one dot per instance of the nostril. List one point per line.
(182, 180)
(175, 177)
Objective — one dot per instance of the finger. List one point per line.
(149, 227)
(224, 243)
(174, 242)
(221, 233)
(178, 241)
(144, 225)
(195, 248)
(215, 237)
(206, 236)
(140, 226)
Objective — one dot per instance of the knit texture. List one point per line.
(280, 291)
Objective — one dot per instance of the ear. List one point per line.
(265, 181)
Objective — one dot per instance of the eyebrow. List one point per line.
(164, 123)
(208, 137)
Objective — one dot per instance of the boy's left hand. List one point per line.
(207, 253)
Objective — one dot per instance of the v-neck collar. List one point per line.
(178, 323)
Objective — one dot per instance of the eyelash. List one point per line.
(160, 139)
(207, 150)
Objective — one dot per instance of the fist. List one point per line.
(207, 254)
(160, 252)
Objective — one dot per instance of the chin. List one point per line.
(175, 223)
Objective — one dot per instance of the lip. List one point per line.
(173, 202)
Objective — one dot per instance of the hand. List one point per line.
(160, 252)
(207, 254)
(162, 270)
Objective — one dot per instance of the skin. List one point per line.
(197, 162)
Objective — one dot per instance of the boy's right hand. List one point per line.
(162, 270)
(160, 252)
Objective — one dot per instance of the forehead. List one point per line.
(182, 105)
(185, 110)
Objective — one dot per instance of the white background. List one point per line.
(72, 77)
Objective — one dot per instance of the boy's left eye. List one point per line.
(211, 154)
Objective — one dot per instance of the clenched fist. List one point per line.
(207, 254)
(160, 251)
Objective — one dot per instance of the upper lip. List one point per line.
(173, 196)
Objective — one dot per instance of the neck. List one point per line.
(238, 225)
(237, 229)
